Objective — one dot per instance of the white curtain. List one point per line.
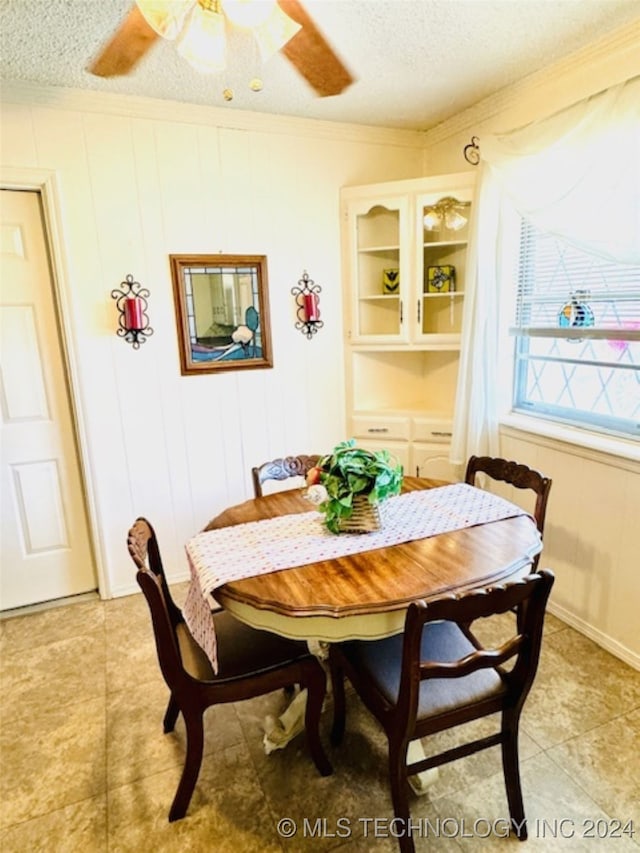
(575, 174)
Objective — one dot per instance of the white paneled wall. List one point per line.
(139, 181)
(590, 537)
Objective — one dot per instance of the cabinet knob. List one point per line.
(441, 432)
(377, 429)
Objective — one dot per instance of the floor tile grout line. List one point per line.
(267, 793)
(52, 811)
(587, 731)
(579, 784)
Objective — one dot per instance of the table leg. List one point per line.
(420, 782)
(278, 731)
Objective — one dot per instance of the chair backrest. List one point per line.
(527, 597)
(165, 614)
(281, 469)
(516, 474)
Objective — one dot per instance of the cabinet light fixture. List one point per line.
(447, 211)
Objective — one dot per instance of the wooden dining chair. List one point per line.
(281, 469)
(250, 663)
(438, 675)
(515, 474)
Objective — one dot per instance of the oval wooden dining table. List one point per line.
(366, 595)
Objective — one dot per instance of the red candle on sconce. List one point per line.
(133, 322)
(311, 307)
(133, 313)
(307, 295)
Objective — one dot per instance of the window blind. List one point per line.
(564, 292)
(577, 328)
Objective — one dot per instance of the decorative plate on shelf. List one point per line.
(441, 279)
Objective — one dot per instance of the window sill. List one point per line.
(583, 442)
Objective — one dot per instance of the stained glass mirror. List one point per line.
(222, 312)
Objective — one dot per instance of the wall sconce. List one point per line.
(447, 211)
(307, 296)
(131, 302)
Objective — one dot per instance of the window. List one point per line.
(577, 352)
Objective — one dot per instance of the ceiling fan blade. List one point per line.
(312, 55)
(131, 41)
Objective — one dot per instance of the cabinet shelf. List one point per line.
(373, 250)
(386, 297)
(403, 347)
(389, 297)
(440, 243)
(440, 343)
(422, 379)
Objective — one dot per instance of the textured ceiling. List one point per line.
(417, 62)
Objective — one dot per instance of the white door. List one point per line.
(45, 548)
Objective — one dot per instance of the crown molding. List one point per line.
(604, 63)
(108, 103)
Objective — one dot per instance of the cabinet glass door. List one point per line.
(443, 228)
(379, 270)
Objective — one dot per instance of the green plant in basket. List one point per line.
(349, 471)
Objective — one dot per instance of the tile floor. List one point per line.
(84, 765)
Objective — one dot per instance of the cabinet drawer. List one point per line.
(432, 429)
(397, 449)
(380, 428)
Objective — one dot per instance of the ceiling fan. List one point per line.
(198, 27)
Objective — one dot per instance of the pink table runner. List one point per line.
(260, 547)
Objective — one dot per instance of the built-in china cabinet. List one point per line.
(404, 256)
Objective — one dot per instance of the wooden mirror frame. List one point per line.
(242, 342)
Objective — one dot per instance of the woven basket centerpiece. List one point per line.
(349, 484)
(365, 517)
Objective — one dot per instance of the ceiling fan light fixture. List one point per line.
(203, 40)
(274, 32)
(248, 13)
(166, 17)
(284, 26)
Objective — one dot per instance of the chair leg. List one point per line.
(171, 715)
(339, 704)
(316, 683)
(399, 792)
(511, 768)
(193, 760)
